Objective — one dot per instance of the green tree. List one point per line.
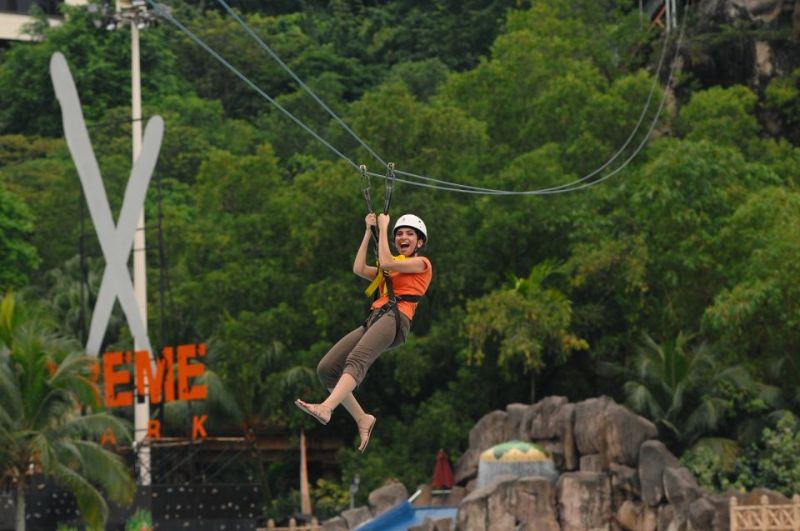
(680, 386)
(433, 139)
(722, 115)
(18, 258)
(229, 258)
(100, 62)
(773, 461)
(545, 81)
(530, 323)
(60, 292)
(783, 98)
(41, 173)
(661, 225)
(221, 32)
(45, 383)
(755, 315)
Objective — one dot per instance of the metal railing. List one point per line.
(765, 516)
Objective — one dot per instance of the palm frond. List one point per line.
(297, 378)
(95, 424)
(670, 428)
(614, 370)
(706, 417)
(108, 470)
(40, 446)
(770, 394)
(7, 318)
(92, 505)
(641, 400)
(10, 396)
(219, 397)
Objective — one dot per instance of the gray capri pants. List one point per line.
(358, 350)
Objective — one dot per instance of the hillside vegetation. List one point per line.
(671, 285)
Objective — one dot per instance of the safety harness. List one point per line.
(382, 274)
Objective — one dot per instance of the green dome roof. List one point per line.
(515, 451)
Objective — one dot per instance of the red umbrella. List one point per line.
(442, 472)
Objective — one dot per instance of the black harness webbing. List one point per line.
(392, 305)
(387, 201)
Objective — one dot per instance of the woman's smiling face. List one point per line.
(406, 241)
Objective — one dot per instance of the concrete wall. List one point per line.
(12, 24)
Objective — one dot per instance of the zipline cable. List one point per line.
(299, 81)
(600, 168)
(562, 188)
(164, 12)
(358, 139)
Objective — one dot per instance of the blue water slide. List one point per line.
(403, 516)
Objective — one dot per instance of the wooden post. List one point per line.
(764, 511)
(305, 496)
(292, 523)
(796, 511)
(732, 512)
(270, 524)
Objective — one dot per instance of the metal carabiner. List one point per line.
(365, 186)
(388, 187)
(368, 199)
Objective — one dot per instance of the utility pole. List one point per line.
(141, 413)
(135, 14)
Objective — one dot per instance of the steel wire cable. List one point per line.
(164, 12)
(594, 172)
(358, 139)
(299, 81)
(578, 186)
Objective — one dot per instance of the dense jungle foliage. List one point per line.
(670, 286)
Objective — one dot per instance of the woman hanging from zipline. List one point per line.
(403, 280)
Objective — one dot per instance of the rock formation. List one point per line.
(742, 41)
(614, 475)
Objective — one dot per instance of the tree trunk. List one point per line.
(533, 387)
(261, 473)
(20, 505)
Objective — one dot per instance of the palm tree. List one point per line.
(44, 384)
(529, 323)
(677, 385)
(66, 288)
(247, 394)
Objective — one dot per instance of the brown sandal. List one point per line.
(365, 431)
(315, 410)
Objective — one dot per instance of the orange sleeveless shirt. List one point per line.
(407, 284)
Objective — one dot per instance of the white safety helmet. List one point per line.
(410, 220)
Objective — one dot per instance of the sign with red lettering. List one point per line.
(172, 377)
(169, 374)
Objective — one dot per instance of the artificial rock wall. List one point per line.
(614, 475)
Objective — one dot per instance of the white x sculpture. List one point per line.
(115, 241)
